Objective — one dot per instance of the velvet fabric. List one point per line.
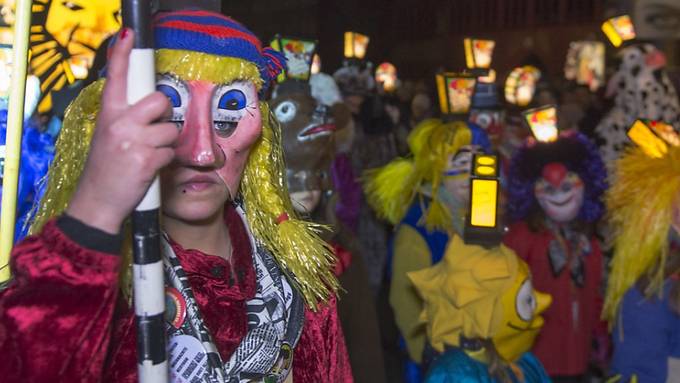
(63, 319)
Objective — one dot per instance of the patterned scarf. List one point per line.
(265, 354)
(568, 246)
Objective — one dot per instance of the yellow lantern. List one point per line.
(386, 74)
(619, 29)
(455, 93)
(520, 86)
(653, 137)
(543, 123)
(478, 53)
(481, 225)
(355, 45)
(299, 55)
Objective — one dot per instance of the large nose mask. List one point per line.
(208, 115)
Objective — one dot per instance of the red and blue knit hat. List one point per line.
(216, 34)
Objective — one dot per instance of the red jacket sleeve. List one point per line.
(55, 317)
(321, 354)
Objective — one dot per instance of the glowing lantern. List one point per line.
(619, 30)
(653, 137)
(543, 123)
(455, 93)
(478, 53)
(520, 85)
(316, 64)
(585, 64)
(386, 74)
(355, 45)
(299, 55)
(64, 37)
(481, 226)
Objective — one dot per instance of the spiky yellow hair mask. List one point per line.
(480, 293)
(640, 204)
(294, 243)
(390, 190)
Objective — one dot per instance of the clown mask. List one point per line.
(559, 192)
(522, 321)
(219, 123)
(457, 176)
(307, 144)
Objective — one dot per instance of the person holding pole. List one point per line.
(249, 287)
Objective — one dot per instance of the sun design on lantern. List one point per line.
(64, 37)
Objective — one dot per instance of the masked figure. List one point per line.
(642, 303)
(643, 90)
(482, 315)
(553, 200)
(308, 130)
(64, 38)
(249, 299)
(426, 198)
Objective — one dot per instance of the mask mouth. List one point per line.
(560, 203)
(314, 131)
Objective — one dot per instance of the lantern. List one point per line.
(386, 74)
(653, 137)
(481, 226)
(619, 29)
(355, 45)
(478, 54)
(455, 94)
(64, 38)
(542, 122)
(299, 55)
(520, 85)
(585, 64)
(316, 64)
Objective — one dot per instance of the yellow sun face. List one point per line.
(64, 37)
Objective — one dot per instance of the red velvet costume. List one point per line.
(64, 320)
(572, 338)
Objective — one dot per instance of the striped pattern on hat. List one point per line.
(215, 34)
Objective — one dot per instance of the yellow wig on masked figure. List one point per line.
(293, 242)
(425, 196)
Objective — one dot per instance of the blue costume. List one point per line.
(455, 366)
(37, 152)
(646, 334)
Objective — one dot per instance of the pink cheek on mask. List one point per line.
(199, 146)
(237, 146)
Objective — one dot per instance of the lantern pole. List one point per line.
(147, 268)
(15, 119)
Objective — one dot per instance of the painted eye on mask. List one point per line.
(525, 302)
(285, 111)
(178, 95)
(230, 104)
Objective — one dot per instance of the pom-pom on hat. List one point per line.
(216, 34)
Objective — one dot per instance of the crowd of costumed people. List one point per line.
(347, 227)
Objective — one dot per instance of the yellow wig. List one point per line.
(640, 204)
(390, 190)
(463, 292)
(295, 243)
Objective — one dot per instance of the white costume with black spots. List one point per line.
(643, 90)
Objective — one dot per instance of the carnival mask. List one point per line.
(491, 121)
(559, 192)
(522, 320)
(307, 131)
(219, 123)
(457, 175)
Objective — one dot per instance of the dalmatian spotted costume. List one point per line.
(643, 90)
